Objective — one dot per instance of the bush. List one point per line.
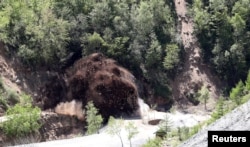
(22, 120)
(156, 142)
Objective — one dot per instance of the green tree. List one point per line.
(115, 127)
(172, 58)
(220, 110)
(154, 55)
(165, 126)
(203, 95)
(144, 19)
(94, 43)
(132, 131)
(94, 121)
(248, 81)
(34, 32)
(238, 23)
(101, 16)
(237, 92)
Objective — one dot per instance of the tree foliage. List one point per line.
(222, 30)
(132, 131)
(136, 33)
(248, 81)
(172, 58)
(34, 32)
(22, 119)
(203, 95)
(115, 128)
(220, 109)
(94, 120)
(237, 93)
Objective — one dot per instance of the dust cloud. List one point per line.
(72, 108)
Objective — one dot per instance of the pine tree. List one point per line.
(220, 110)
(172, 58)
(247, 87)
(237, 92)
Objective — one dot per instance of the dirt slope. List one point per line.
(7, 73)
(194, 73)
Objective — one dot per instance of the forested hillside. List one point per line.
(142, 36)
(61, 54)
(223, 30)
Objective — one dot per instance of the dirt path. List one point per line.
(194, 73)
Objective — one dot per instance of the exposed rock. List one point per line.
(56, 126)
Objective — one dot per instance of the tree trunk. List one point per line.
(121, 140)
(205, 104)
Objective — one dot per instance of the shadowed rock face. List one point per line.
(98, 79)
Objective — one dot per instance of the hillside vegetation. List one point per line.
(140, 35)
(165, 51)
(223, 30)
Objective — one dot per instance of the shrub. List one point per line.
(94, 120)
(22, 120)
(156, 142)
(12, 97)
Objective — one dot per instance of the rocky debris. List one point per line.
(101, 80)
(56, 126)
(94, 78)
(194, 74)
(238, 119)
